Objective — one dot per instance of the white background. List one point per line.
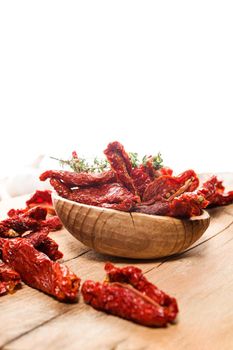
(155, 75)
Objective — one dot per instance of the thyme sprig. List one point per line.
(79, 164)
(134, 159)
(156, 160)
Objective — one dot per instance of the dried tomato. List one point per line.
(213, 191)
(49, 247)
(141, 179)
(121, 300)
(28, 219)
(121, 164)
(134, 276)
(52, 223)
(38, 271)
(112, 195)
(165, 187)
(44, 244)
(9, 279)
(128, 294)
(184, 206)
(43, 199)
(72, 179)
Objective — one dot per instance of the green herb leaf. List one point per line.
(134, 159)
(156, 160)
(81, 165)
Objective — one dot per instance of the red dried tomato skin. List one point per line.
(162, 187)
(33, 219)
(22, 220)
(209, 188)
(35, 238)
(39, 272)
(141, 180)
(124, 303)
(213, 191)
(187, 205)
(135, 277)
(165, 170)
(116, 148)
(49, 247)
(44, 244)
(126, 205)
(108, 193)
(72, 179)
(37, 213)
(112, 195)
(223, 199)
(120, 164)
(9, 279)
(184, 206)
(62, 189)
(19, 225)
(186, 175)
(52, 223)
(15, 212)
(40, 197)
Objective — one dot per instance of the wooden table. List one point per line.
(201, 279)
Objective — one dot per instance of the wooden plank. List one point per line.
(201, 279)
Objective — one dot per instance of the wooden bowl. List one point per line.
(129, 235)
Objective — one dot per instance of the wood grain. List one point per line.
(201, 279)
(130, 235)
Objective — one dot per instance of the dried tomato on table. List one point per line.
(128, 294)
(49, 247)
(123, 301)
(28, 219)
(135, 277)
(37, 237)
(44, 244)
(29, 257)
(213, 191)
(52, 223)
(38, 271)
(14, 227)
(42, 199)
(9, 279)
